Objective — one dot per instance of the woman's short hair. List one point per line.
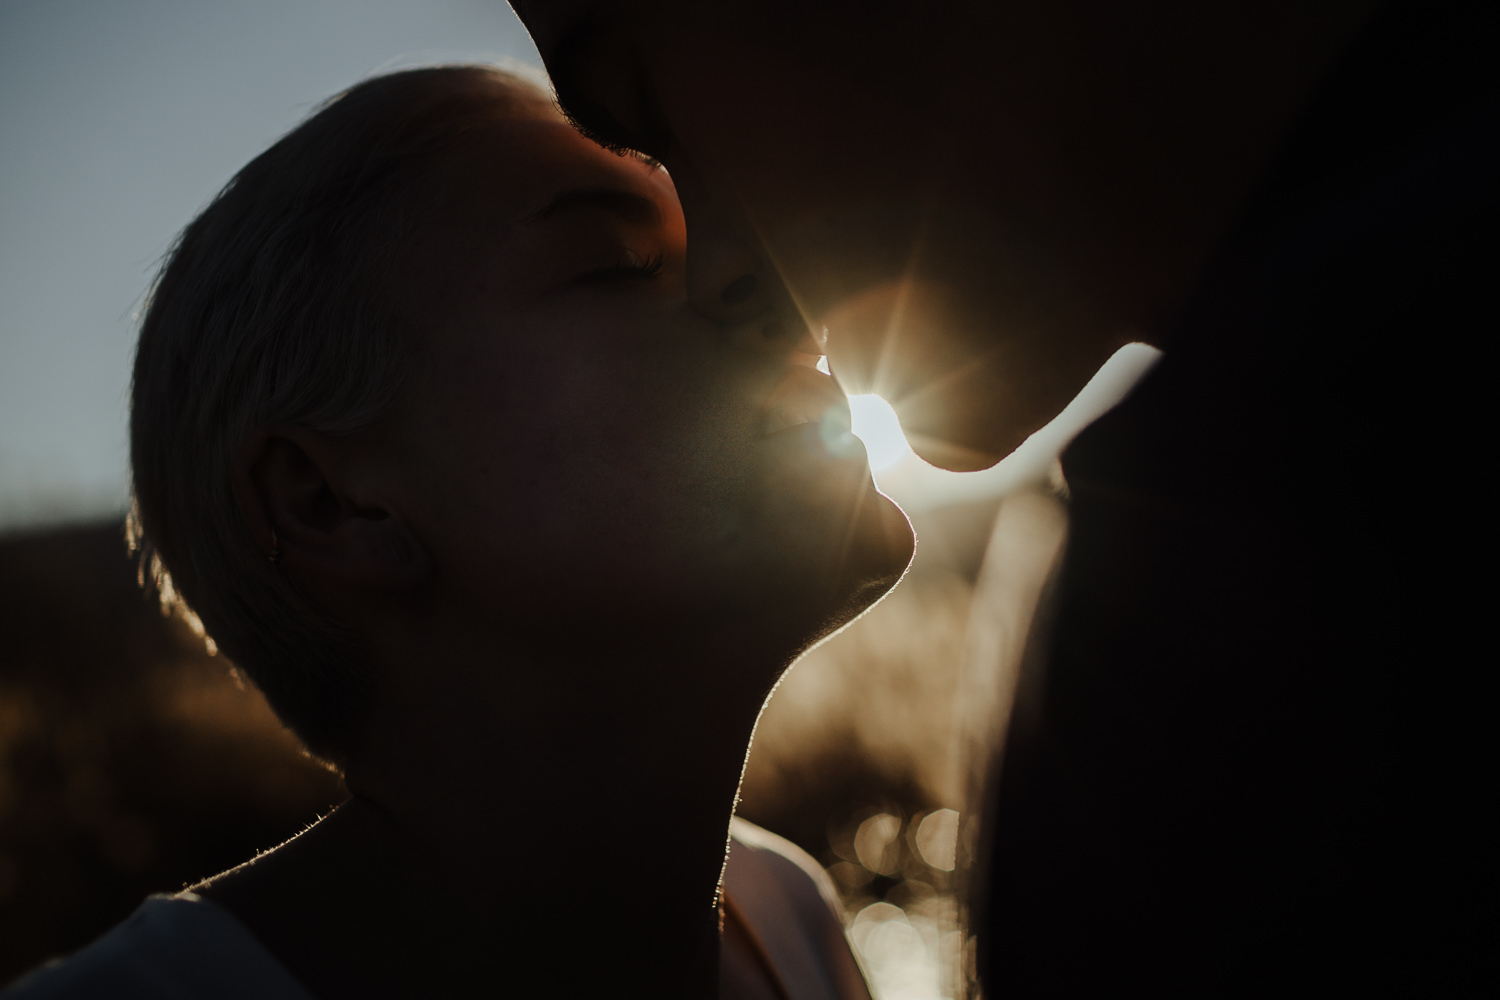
(270, 309)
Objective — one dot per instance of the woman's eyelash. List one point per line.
(630, 265)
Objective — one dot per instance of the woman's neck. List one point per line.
(501, 830)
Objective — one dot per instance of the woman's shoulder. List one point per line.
(782, 918)
(754, 849)
(170, 948)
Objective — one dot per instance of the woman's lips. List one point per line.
(805, 396)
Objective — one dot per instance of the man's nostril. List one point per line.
(739, 290)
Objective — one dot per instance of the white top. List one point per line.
(787, 908)
(171, 948)
(783, 940)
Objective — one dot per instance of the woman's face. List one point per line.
(577, 442)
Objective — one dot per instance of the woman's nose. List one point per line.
(725, 280)
(731, 284)
(730, 281)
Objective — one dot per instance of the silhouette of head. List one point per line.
(980, 200)
(434, 352)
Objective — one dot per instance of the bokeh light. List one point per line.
(937, 839)
(875, 843)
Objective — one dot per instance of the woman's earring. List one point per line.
(275, 552)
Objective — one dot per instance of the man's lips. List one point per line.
(805, 396)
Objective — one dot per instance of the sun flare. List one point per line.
(876, 425)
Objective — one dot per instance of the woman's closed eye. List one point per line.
(629, 265)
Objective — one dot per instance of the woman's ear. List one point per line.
(314, 504)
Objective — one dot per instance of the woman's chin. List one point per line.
(819, 505)
(872, 548)
(881, 548)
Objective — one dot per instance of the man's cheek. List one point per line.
(783, 130)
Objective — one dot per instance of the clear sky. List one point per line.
(119, 119)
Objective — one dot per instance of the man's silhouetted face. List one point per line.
(980, 201)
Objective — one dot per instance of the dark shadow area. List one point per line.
(131, 762)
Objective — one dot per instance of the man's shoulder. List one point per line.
(170, 948)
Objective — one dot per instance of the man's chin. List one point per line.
(978, 422)
(955, 457)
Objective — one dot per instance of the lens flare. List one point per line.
(876, 425)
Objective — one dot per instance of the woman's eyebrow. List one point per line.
(629, 206)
